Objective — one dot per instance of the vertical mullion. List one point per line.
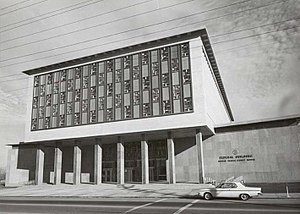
(73, 96)
(105, 93)
(113, 90)
(170, 80)
(97, 90)
(38, 104)
(160, 82)
(150, 83)
(88, 93)
(81, 96)
(44, 103)
(141, 84)
(66, 97)
(131, 87)
(191, 88)
(52, 100)
(58, 98)
(121, 88)
(181, 78)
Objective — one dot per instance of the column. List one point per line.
(145, 161)
(120, 161)
(76, 165)
(171, 159)
(57, 164)
(199, 145)
(98, 162)
(11, 168)
(39, 166)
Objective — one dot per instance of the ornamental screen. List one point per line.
(141, 85)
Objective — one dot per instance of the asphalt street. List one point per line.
(138, 205)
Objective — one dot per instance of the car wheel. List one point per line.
(244, 197)
(207, 196)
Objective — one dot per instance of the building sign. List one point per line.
(236, 157)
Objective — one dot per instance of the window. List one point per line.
(185, 50)
(126, 62)
(62, 97)
(145, 84)
(136, 72)
(155, 95)
(77, 73)
(77, 119)
(109, 65)
(69, 108)
(42, 90)
(118, 76)
(126, 86)
(93, 116)
(155, 69)
(176, 92)
(136, 98)
(55, 88)
(62, 120)
(175, 65)
(145, 58)
(85, 82)
(165, 80)
(63, 76)
(93, 92)
(36, 81)
(48, 100)
(164, 54)
(188, 105)
(35, 102)
(127, 111)
(49, 79)
(93, 69)
(101, 79)
(101, 103)
(186, 76)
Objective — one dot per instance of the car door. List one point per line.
(223, 190)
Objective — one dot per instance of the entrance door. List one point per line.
(107, 175)
(128, 175)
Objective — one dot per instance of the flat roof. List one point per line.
(291, 120)
(139, 47)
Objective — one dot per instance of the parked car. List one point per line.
(230, 190)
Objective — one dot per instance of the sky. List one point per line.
(256, 45)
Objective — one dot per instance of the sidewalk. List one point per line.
(120, 191)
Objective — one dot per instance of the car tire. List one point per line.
(208, 196)
(244, 197)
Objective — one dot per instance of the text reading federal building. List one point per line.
(144, 113)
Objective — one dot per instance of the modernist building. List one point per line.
(136, 114)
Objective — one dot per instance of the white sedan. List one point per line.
(230, 190)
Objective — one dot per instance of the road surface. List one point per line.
(144, 206)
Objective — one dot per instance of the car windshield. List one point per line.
(227, 185)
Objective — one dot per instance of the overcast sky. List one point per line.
(256, 44)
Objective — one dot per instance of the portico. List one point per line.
(125, 160)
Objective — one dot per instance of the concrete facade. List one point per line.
(184, 146)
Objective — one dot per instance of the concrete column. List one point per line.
(120, 162)
(76, 165)
(11, 168)
(199, 145)
(98, 163)
(39, 166)
(145, 161)
(171, 160)
(57, 164)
